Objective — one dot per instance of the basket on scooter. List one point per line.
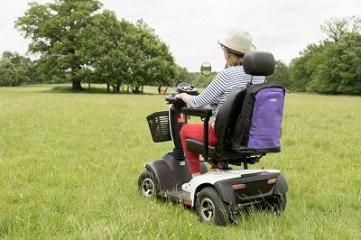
(159, 126)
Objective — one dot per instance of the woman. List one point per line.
(235, 46)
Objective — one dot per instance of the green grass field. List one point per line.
(69, 165)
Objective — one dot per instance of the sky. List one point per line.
(191, 29)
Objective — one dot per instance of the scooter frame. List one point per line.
(236, 188)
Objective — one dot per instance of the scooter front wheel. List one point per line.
(147, 184)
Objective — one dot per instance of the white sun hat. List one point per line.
(237, 41)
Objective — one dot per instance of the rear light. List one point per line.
(271, 181)
(239, 186)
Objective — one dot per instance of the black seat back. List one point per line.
(227, 116)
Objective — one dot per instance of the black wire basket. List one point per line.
(159, 126)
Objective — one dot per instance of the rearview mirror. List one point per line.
(206, 69)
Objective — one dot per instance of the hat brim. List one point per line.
(230, 49)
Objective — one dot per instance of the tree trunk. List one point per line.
(136, 90)
(108, 87)
(117, 88)
(77, 86)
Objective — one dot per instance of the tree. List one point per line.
(330, 67)
(302, 69)
(152, 62)
(76, 42)
(181, 75)
(340, 70)
(109, 56)
(335, 28)
(56, 31)
(124, 53)
(280, 75)
(16, 70)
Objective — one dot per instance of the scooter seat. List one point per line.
(198, 147)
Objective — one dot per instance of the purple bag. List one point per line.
(265, 131)
(258, 126)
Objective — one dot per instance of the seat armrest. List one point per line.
(205, 114)
(200, 112)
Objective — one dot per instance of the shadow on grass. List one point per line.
(68, 90)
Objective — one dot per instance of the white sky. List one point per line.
(191, 28)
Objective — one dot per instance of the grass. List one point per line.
(69, 165)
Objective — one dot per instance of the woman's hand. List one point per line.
(184, 96)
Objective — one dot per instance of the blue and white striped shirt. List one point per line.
(226, 81)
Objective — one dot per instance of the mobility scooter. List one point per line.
(247, 128)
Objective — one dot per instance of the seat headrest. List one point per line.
(257, 63)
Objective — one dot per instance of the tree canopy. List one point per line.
(16, 69)
(56, 30)
(78, 41)
(335, 28)
(332, 66)
(280, 75)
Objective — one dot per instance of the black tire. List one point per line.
(211, 209)
(147, 185)
(277, 203)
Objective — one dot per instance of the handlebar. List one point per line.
(172, 99)
(181, 88)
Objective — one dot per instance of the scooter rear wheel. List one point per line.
(277, 203)
(211, 209)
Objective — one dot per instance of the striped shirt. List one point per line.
(226, 81)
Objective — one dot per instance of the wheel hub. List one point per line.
(207, 209)
(148, 187)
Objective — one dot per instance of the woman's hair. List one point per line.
(233, 59)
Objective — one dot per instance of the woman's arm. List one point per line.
(213, 91)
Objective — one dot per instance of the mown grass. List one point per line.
(69, 165)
